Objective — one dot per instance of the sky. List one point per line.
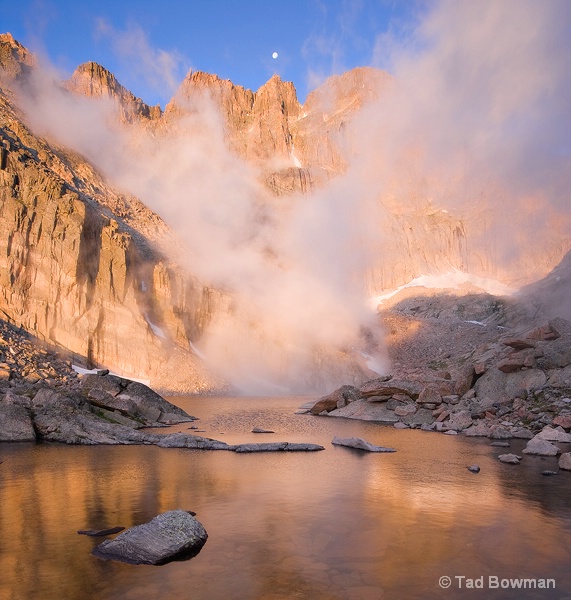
(150, 45)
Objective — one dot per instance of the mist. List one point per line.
(477, 119)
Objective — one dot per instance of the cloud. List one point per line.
(161, 70)
(478, 119)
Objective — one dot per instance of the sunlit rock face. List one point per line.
(78, 268)
(94, 81)
(90, 267)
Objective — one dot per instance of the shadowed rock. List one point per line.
(173, 535)
(360, 444)
(15, 424)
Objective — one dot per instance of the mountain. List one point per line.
(92, 270)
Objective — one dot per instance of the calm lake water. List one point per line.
(336, 524)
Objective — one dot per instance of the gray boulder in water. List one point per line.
(360, 444)
(173, 535)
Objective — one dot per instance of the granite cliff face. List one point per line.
(87, 268)
(78, 267)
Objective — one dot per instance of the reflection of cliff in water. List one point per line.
(50, 491)
(337, 524)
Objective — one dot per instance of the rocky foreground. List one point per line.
(43, 399)
(513, 382)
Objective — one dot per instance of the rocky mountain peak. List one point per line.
(15, 60)
(279, 95)
(94, 81)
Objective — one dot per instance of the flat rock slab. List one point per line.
(360, 444)
(366, 411)
(173, 535)
(100, 532)
(276, 447)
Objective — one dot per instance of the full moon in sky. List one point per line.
(274, 55)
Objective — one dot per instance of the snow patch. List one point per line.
(372, 363)
(155, 329)
(196, 350)
(295, 159)
(476, 323)
(451, 280)
(82, 371)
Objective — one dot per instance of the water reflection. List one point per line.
(337, 524)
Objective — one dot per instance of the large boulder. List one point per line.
(172, 535)
(556, 354)
(554, 435)
(507, 386)
(337, 399)
(541, 447)
(133, 399)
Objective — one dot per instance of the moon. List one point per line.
(274, 55)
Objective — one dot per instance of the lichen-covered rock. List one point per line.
(172, 535)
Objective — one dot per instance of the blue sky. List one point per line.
(151, 45)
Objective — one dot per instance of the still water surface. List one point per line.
(337, 524)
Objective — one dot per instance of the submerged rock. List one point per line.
(173, 535)
(510, 459)
(360, 444)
